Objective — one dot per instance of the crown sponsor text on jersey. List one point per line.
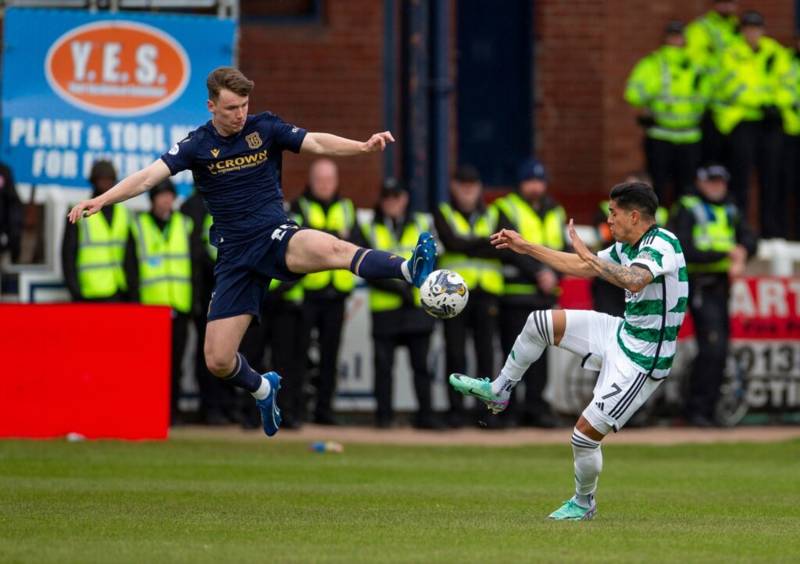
(117, 67)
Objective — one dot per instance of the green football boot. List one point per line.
(571, 511)
(481, 389)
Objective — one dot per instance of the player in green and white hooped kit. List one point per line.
(633, 354)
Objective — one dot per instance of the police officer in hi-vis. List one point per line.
(716, 242)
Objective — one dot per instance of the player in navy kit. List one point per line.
(235, 159)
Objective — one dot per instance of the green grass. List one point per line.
(205, 501)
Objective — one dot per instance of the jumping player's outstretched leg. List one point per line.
(310, 250)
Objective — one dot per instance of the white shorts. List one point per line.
(621, 387)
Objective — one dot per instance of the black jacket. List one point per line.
(11, 214)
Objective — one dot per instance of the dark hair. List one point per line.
(102, 169)
(228, 78)
(635, 195)
(165, 185)
(467, 174)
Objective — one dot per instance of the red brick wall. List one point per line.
(324, 76)
(585, 132)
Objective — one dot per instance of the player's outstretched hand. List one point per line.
(577, 243)
(509, 239)
(84, 209)
(378, 142)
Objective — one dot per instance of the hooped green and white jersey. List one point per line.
(653, 316)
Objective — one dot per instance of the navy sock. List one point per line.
(243, 376)
(371, 264)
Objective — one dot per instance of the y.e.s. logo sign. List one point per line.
(117, 68)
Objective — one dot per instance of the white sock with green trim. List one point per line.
(528, 347)
(588, 458)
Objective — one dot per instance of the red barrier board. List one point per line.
(99, 370)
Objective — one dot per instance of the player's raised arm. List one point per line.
(633, 278)
(568, 263)
(335, 146)
(125, 189)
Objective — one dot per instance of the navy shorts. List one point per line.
(244, 270)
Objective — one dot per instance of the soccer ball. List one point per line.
(444, 294)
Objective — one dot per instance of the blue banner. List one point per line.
(78, 87)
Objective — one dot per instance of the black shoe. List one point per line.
(542, 420)
(216, 418)
(383, 423)
(325, 419)
(492, 422)
(456, 420)
(428, 422)
(291, 423)
(698, 420)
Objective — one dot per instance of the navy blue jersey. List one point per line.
(239, 176)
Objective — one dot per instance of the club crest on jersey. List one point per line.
(215, 153)
(253, 140)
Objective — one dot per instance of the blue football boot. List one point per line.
(270, 413)
(423, 261)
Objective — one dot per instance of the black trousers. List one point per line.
(758, 143)
(418, 345)
(672, 164)
(512, 321)
(713, 143)
(327, 316)
(180, 331)
(608, 298)
(289, 355)
(709, 306)
(790, 181)
(479, 319)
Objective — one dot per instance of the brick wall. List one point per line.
(325, 76)
(585, 49)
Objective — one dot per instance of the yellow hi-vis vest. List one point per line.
(547, 231)
(712, 231)
(340, 219)
(486, 274)
(748, 80)
(382, 238)
(101, 253)
(788, 96)
(672, 87)
(165, 265)
(210, 249)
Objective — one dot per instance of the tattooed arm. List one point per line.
(633, 278)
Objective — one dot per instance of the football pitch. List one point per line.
(199, 500)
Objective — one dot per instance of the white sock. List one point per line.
(528, 347)
(588, 458)
(405, 271)
(263, 390)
